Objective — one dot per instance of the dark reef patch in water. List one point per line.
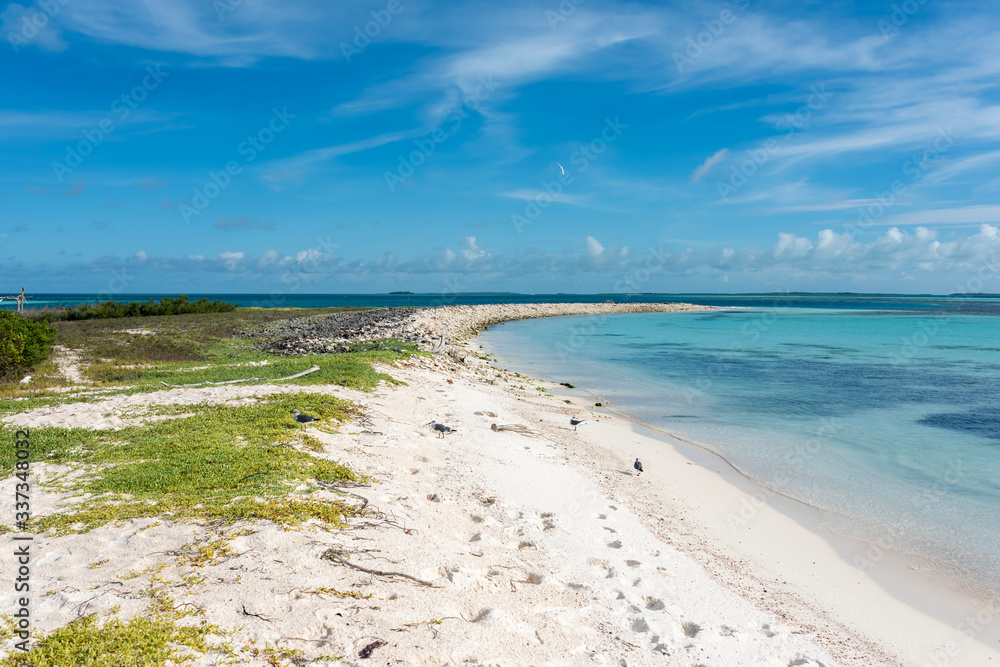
(985, 425)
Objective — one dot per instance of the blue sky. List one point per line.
(581, 146)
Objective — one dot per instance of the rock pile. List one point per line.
(340, 332)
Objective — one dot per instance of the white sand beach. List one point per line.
(523, 542)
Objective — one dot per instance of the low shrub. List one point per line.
(180, 305)
(23, 344)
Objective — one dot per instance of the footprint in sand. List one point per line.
(653, 604)
(617, 544)
(633, 563)
(691, 629)
(602, 517)
(482, 615)
(476, 537)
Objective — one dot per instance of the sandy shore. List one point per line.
(538, 545)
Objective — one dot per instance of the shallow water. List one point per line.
(887, 418)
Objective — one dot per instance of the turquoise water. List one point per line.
(888, 419)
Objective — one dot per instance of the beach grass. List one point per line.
(224, 463)
(149, 641)
(184, 337)
(188, 349)
(348, 369)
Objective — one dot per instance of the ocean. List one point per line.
(880, 411)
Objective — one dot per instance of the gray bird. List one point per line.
(638, 466)
(303, 419)
(574, 422)
(441, 429)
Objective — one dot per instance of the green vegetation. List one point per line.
(350, 370)
(23, 344)
(225, 463)
(567, 385)
(110, 354)
(224, 466)
(113, 309)
(144, 641)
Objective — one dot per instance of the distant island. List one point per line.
(400, 292)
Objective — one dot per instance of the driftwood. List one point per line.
(339, 489)
(516, 428)
(331, 555)
(311, 369)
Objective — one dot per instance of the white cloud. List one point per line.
(19, 26)
(230, 260)
(544, 198)
(706, 166)
(790, 246)
(831, 255)
(963, 215)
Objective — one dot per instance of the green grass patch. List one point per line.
(188, 338)
(225, 463)
(351, 369)
(144, 641)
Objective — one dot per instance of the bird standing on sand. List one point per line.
(638, 466)
(574, 422)
(301, 418)
(441, 429)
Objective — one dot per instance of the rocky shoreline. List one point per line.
(319, 334)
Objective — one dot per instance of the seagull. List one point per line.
(561, 168)
(574, 422)
(303, 419)
(441, 429)
(638, 466)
